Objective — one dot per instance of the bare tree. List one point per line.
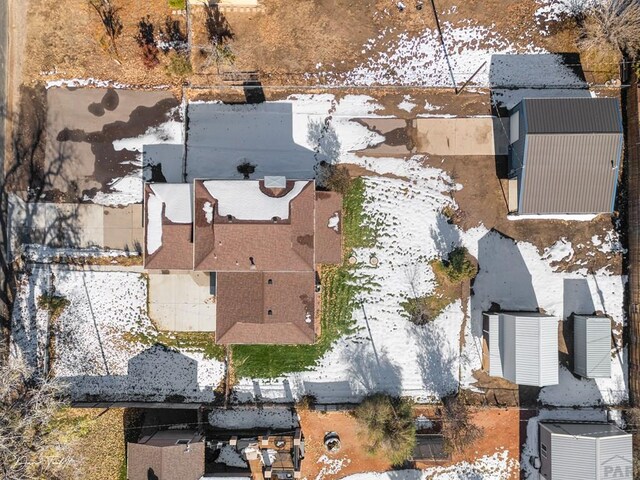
(457, 427)
(614, 23)
(28, 406)
(146, 40)
(110, 17)
(219, 35)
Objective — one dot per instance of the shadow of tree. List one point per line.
(27, 178)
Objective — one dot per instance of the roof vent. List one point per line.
(275, 182)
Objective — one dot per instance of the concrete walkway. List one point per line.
(461, 136)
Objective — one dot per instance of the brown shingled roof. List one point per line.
(159, 455)
(265, 307)
(176, 252)
(265, 268)
(283, 245)
(328, 240)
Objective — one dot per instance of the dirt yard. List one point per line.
(483, 201)
(501, 432)
(65, 39)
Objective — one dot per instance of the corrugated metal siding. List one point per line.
(548, 357)
(573, 115)
(580, 345)
(495, 346)
(574, 458)
(569, 173)
(598, 346)
(615, 457)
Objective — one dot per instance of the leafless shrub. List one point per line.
(110, 17)
(219, 35)
(458, 429)
(613, 23)
(172, 37)
(28, 406)
(146, 40)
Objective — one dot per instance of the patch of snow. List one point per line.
(611, 243)
(576, 391)
(169, 132)
(244, 200)
(45, 254)
(87, 82)
(334, 222)
(247, 418)
(177, 199)
(231, 457)
(552, 11)
(423, 423)
(419, 60)
(124, 191)
(154, 224)
(596, 241)
(207, 208)
(98, 354)
(430, 107)
(559, 251)
(407, 104)
(331, 466)
(489, 467)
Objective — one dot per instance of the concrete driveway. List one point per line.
(461, 136)
(73, 225)
(182, 302)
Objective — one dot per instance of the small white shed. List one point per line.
(592, 346)
(523, 347)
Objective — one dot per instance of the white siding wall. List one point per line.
(580, 345)
(615, 457)
(598, 347)
(508, 347)
(574, 458)
(548, 357)
(527, 350)
(495, 346)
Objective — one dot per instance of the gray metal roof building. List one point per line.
(584, 451)
(592, 346)
(565, 154)
(523, 347)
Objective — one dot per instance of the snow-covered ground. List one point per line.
(517, 276)
(96, 350)
(489, 467)
(388, 353)
(400, 58)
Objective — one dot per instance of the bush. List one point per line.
(178, 4)
(459, 267)
(423, 310)
(389, 426)
(307, 402)
(179, 66)
(338, 179)
(458, 429)
(54, 304)
(145, 38)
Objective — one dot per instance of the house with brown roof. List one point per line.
(167, 455)
(261, 240)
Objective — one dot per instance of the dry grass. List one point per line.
(96, 442)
